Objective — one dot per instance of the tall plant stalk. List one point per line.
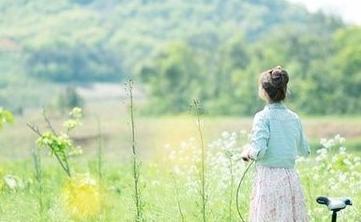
(100, 151)
(136, 163)
(177, 198)
(39, 180)
(231, 189)
(196, 107)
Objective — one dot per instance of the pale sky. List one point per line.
(349, 10)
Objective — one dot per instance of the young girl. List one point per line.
(277, 138)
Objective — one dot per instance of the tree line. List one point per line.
(325, 74)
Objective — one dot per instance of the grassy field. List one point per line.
(155, 132)
(169, 149)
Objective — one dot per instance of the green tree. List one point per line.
(347, 68)
(172, 78)
(229, 82)
(65, 63)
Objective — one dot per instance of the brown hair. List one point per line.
(274, 82)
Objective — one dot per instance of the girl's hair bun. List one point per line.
(274, 81)
(278, 77)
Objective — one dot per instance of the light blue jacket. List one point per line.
(277, 137)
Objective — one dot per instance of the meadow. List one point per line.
(34, 187)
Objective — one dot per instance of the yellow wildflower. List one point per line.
(82, 198)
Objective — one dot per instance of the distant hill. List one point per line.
(127, 31)
(72, 41)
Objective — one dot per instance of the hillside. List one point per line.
(85, 41)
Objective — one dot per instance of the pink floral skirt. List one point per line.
(277, 196)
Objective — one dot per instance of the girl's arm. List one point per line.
(259, 137)
(303, 148)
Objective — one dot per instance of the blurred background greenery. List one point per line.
(78, 52)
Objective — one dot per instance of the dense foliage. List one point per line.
(73, 63)
(213, 50)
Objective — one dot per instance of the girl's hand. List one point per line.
(245, 154)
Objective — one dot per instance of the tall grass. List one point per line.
(100, 151)
(231, 185)
(39, 181)
(179, 206)
(136, 161)
(203, 193)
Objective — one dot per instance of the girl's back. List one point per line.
(284, 135)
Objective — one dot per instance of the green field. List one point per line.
(168, 172)
(156, 131)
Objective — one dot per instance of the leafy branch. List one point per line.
(59, 144)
